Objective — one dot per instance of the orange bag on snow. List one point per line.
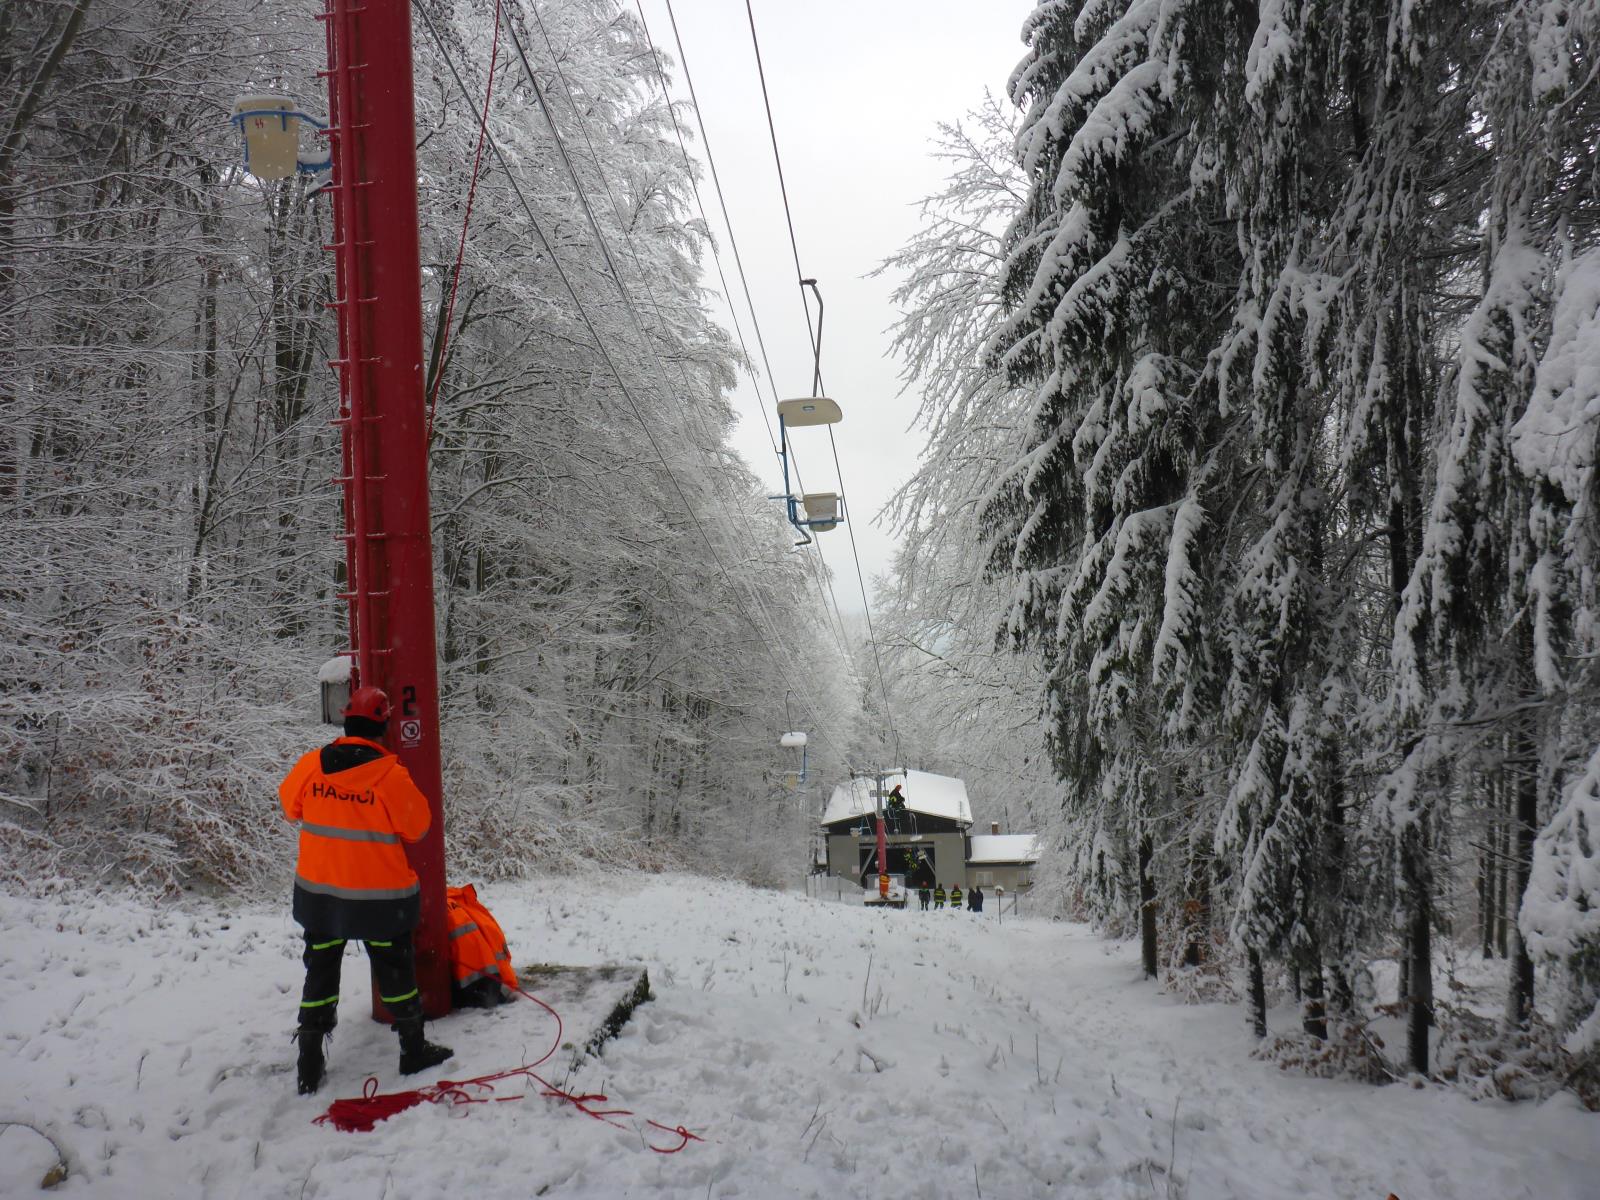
(478, 947)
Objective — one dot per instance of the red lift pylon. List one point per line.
(388, 544)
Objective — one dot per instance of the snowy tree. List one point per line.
(1103, 519)
(962, 706)
(610, 652)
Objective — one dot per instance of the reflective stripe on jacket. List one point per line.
(478, 947)
(356, 804)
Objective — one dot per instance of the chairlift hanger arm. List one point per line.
(816, 348)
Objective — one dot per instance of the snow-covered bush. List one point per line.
(1490, 1061)
(1352, 1050)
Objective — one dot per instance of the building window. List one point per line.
(985, 878)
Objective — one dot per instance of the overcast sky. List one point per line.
(857, 88)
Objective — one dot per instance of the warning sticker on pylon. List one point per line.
(411, 732)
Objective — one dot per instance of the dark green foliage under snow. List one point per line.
(1296, 350)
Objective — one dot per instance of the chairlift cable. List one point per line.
(616, 210)
(733, 241)
(834, 617)
(616, 277)
(783, 189)
(816, 350)
(644, 278)
(716, 179)
(599, 343)
(867, 608)
(440, 358)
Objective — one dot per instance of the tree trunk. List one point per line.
(1258, 995)
(1197, 912)
(1419, 948)
(1502, 844)
(1314, 1013)
(1147, 908)
(1519, 1000)
(1486, 879)
(1405, 537)
(1341, 994)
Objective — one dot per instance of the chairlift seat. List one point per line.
(791, 740)
(271, 129)
(810, 410)
(822, 510)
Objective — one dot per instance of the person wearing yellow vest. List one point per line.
(955, 897)
(356, 804)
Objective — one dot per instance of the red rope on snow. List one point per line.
(461, 247)
(362, 1115)
(559, 1026)
(680, 1131)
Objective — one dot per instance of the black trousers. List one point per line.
(392, 963)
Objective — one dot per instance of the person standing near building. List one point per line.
(975, 899)
(955, 896)
(923, 897)
(938, 895)
(356, 804)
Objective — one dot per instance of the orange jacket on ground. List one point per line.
(356, 804)
(477, 946)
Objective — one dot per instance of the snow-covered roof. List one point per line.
(1004, 848)
(925, 793)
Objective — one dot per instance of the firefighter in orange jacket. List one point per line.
(355, 804)
(480, 960)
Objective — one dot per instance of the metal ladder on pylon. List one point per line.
(351, 276)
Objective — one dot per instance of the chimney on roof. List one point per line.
(994, 826)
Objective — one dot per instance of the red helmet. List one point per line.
(368, 702)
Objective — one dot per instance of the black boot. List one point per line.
(311, 1066)
(416, 1052)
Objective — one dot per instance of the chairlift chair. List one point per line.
(811, 512)
(795, 740)
(271, 128)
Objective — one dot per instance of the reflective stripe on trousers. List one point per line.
(392, 965)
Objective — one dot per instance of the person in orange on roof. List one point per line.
(356, 803)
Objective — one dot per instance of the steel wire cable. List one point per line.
(644, 278)
(816, 349)
(817, 566)
(555, 60)
(644, 338)
(600, 347)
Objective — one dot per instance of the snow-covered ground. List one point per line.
(1019, 1060)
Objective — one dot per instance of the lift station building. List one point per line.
(930, 839)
